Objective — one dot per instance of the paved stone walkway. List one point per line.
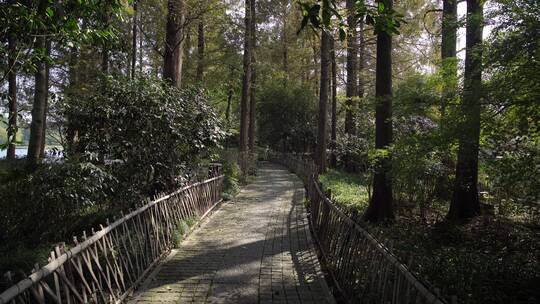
(256, 249)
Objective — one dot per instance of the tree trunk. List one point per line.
(448, 52)
(361, 59)
(39, 106)
(72, 129)
(285, 50)
(200, 52)
(140, 49)
(316, 46)
(465, 202)
(134, 41)
(333, 133)
(172, 63)
(352, 69)
(246, 83)
(252, 107)
(12, 96)
(44, 130)
(380, 207)
(351, 90)
(323, 102)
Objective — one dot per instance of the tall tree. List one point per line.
(134, 40)
(252, 105)
(284, 41)
(448, 51)
(40, 103)
(351, 90)
(246, 81)
(333, 124)
(361, 59)
(46, 112)
(200, 51)
(12, 96)
(380, 207)
(465, 202)
(352, 67)
(323, 102)
(174, 38)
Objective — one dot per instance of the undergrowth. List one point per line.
(490, 259)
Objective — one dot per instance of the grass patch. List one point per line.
(182, 228)
(348, 190)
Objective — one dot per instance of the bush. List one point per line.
(53, 202)
(231, 183)
(154, 135)
(287, 117)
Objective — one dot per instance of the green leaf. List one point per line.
(380, 7)
(49, 12)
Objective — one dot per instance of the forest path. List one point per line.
(255, 249)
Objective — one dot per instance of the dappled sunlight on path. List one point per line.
(256, 249)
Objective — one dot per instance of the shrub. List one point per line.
(287, 117)
(54, 201)
(154, 135)
(231, 183)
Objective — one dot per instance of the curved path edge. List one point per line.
(254, 249)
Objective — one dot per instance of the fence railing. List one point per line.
(107, 265)
(362, 268)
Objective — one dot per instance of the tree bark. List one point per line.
(39, 106)
(140, 49)
(351, 89)
(361, 59)
(200, 52)
(246, 82)
(465, 202)
(284, 41)
(323, 102)
(448, 52)
(252, 106)
(12, 96)
(72, 129)
(380, 207)
(333, 133)
(44, 130)
(134, 41)
(174, 38)
(352, 68)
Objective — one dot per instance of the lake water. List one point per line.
(19, 152)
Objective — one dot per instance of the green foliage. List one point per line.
(64, 197)
(68, 23)
(3, 134)
(511, 153)
(231, 185)
(382, 16)
(286, 116)
(355, 149)
(182, 228)
(21, 257)
(154, 135)
(351, 191)
(483, 261)
(510, 142)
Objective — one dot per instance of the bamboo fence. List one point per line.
(106, 265)
(361, 267)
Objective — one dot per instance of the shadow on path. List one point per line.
(256, 249)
